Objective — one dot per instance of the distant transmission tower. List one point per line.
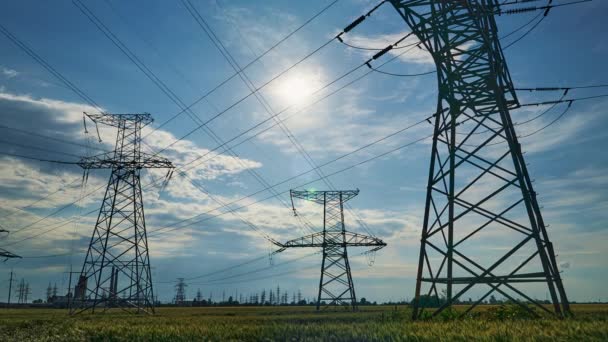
(116, 270)
(180, 292)
(479, 192)
(336, 285)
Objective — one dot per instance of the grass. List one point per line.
(382, 323)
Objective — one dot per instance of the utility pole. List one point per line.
(118, 256)
(478, 184)
(336, 282)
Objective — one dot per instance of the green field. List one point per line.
(379, 323)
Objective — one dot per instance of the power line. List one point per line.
(41, 199)
(158, 82)
(48, 67)
(326, 96)
(293, 177)
(16, 155)
(5, 142)
(260, 98)
(219, 85)
(22, 131)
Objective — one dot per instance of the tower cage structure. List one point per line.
(116, 270)
(483, 233)
(336, 282)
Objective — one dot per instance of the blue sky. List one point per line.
(567, 161)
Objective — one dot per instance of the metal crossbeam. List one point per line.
(479, 189)
(116, 270)
(336, 284)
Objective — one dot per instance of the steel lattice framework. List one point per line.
(4, 253)
(116, 270)
(479, 189)
(336, 284)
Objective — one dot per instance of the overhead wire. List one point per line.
(31, 147)
(260, 97)
(26, 132)
(279, 42)
(318, 100)
(330, 94)
(158, 82)
(24, 47)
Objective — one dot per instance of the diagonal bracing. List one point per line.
(479, 189)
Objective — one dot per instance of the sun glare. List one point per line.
(297, 88)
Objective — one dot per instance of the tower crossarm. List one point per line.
(110, 160)
(321, 197)
(6, 254)
(118, 120)
(346, 239)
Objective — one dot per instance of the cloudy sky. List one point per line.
(567, 160)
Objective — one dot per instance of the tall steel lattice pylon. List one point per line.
(336, 284)
(479, 190)
(116, 270)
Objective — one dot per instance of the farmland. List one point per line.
(382, 323)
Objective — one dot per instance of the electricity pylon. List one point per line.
(479, 192)
(4, 253)
(336, 283)
(180, 292)
(116, 270)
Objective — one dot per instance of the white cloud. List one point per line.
(8, 73)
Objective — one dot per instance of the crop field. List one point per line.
(377, 323)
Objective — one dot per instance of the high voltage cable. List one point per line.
(312, 181)
(360, 77)
(234, 104)
(263, 268)
(22, 131)
(218, 271)
(279, 42)
(156, 80)
(41, 199)
(5, 142)
(300, 185)
(48, 67)
(38, 159)
(239, 70)
(125, 49)
(260, 97)
(563, 88)
(218, 281)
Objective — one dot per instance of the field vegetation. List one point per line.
(372, 323)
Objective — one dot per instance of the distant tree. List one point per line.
(363, 301)
(493, 300)
(38, 301)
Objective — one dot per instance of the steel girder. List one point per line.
(116, 271)
(479, 189)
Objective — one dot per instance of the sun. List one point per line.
(297, 88)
